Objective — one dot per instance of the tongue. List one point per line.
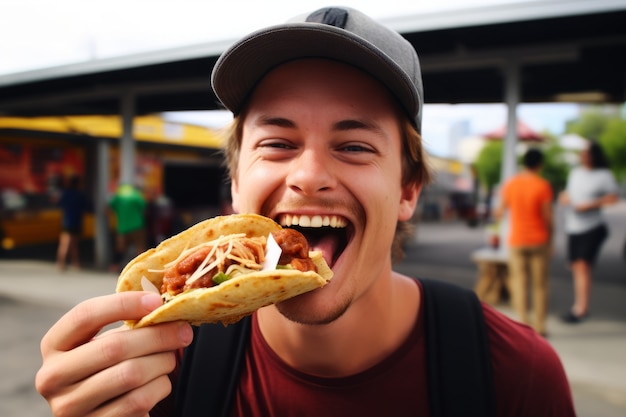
(327, 244)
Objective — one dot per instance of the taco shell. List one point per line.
(231, 300)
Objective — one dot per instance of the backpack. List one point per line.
(460, 380)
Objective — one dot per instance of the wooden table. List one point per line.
(492, 285)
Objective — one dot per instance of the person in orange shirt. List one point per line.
(528, 198)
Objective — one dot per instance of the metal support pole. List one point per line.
(509, 160)
(102, 246)
(127, 143)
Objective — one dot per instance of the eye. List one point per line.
(275, 144)
(356, 148)
(275, 149)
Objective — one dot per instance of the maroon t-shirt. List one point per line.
(529, 379)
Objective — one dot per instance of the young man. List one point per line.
(74, 205)
(129, 206)
(528, 198)
(328, 113)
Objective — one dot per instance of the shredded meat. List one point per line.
(295, 252)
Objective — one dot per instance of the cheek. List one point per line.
(254, 186)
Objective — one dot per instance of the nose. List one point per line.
(311, 172)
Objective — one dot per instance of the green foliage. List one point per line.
(610, 131)
(613, 142)
(590, 125)
(555, 168)
(489, 163)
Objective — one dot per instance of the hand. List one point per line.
(121, 372)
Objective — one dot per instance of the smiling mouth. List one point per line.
(326, 233)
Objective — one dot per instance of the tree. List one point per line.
(613, 142)
(488, 166)
(591, 124)
(609, 129)
(555, 168)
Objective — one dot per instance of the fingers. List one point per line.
(85, 320)
(103, 352)
(84, 375)
(135, 386)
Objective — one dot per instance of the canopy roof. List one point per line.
(150, 129)
(568, 50)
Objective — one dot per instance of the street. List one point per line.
(33, 295)
(22, 326)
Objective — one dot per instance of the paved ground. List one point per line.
(33, 295)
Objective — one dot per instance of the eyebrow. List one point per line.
(342, 125)
(355, 124)
(276, 121)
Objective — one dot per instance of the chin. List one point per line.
(312, 309)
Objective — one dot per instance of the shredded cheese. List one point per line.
(228, 247)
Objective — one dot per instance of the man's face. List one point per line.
(321, 151)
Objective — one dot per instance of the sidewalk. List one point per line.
(592, 352)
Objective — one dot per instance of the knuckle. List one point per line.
(42, 383)
(46, 381)
(112, 348)
(81, 315)
(62, 407)
(130, 375)
(138, 402)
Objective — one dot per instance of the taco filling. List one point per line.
(214, 262)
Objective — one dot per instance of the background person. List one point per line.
(327, 123)
(129, 207)
(528, 198)
(74, 205)
(590, 187)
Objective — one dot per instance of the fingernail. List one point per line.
(185, 333)
(151, 301)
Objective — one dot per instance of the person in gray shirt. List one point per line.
(590, 187)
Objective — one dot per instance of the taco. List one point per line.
(219, 270)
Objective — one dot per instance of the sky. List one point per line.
(37, 34)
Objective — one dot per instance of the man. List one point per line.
(327, 123)
(528, 198)
(129, 207)
(74, 205)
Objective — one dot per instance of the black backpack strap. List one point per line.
(210, 370)
(459, 367)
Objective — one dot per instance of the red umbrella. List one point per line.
(524, 133)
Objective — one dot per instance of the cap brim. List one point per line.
(244, 64)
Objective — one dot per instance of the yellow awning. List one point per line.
(150, 128)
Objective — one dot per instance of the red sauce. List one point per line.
(295, 252)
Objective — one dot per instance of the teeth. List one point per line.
(312, 221)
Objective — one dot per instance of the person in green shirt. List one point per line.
(129, 207)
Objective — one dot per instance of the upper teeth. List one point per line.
(312, 221)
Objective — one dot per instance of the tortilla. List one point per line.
(231, 300)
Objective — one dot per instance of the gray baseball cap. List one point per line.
(338, 33)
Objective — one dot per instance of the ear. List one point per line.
(234, 194)
(408, 201)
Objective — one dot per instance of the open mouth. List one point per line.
(328, 234)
